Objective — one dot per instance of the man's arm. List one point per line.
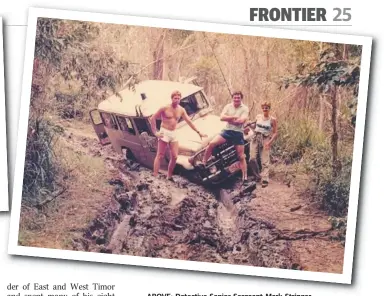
(241, 119)
(250, 125)
(188, 120)
(224, 117)
(153, 120)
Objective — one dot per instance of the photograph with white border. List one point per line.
(190, 145)
(3, 135)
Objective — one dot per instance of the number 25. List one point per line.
(345, 12)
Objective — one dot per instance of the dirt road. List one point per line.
(153, 217)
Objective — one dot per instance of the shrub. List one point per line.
(300, 142)
(334, 191)
(296, 136)
(40, 166)
(331, 192)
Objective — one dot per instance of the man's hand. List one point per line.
(250, 124)
(267, 145)
(201, 135)
(232, 120)
(159, 135)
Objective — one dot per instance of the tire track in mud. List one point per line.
(153, 217)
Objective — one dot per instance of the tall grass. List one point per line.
(302, 143)
(332, 192)
(41, 165)
(297, 136)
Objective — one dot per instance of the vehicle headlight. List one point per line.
(213, 169)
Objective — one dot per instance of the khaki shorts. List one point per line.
(167, 135)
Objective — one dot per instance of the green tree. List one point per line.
(329, 75)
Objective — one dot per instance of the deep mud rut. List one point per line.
(154, 217)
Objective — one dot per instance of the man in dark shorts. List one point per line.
(235, 114)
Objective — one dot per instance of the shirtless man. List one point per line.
(170, 116)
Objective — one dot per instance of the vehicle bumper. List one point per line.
(223, 164)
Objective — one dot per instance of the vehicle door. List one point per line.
(99, 127)
(128, 137)
(148, 141)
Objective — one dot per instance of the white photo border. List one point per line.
(344, 278)
(4, 205)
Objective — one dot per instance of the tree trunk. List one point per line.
(340, 133)
(321, 99)
(158, 58)
(345, 52)
(336, 166)
(321, 115)
(305, 101)
(247, 73)
(181, 56)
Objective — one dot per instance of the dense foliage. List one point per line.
(328, 165)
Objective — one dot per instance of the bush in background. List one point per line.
(41, 165)
(302, 144)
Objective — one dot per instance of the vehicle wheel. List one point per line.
(128, 154)
(191, 175)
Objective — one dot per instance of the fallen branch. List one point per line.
(301, 234)
(115, 245)
(48, 200)
(295, 208)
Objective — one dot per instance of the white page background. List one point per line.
(368, 262)
(3, 139)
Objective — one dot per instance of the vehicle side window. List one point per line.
(200, 100)
(193, 103)
(142, 125)
(126, 125)
(96, 117)
(108, 120)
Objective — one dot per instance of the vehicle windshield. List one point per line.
(193, 104)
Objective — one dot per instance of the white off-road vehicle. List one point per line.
(124, 122)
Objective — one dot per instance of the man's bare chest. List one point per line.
(170, 113)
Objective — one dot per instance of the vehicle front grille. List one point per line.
(225, 155)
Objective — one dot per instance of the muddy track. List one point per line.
(153, 217)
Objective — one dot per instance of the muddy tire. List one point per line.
(191, 175)
(128, 154)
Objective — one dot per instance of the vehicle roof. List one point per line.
(158, 94)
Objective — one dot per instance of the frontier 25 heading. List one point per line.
(300, 14)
